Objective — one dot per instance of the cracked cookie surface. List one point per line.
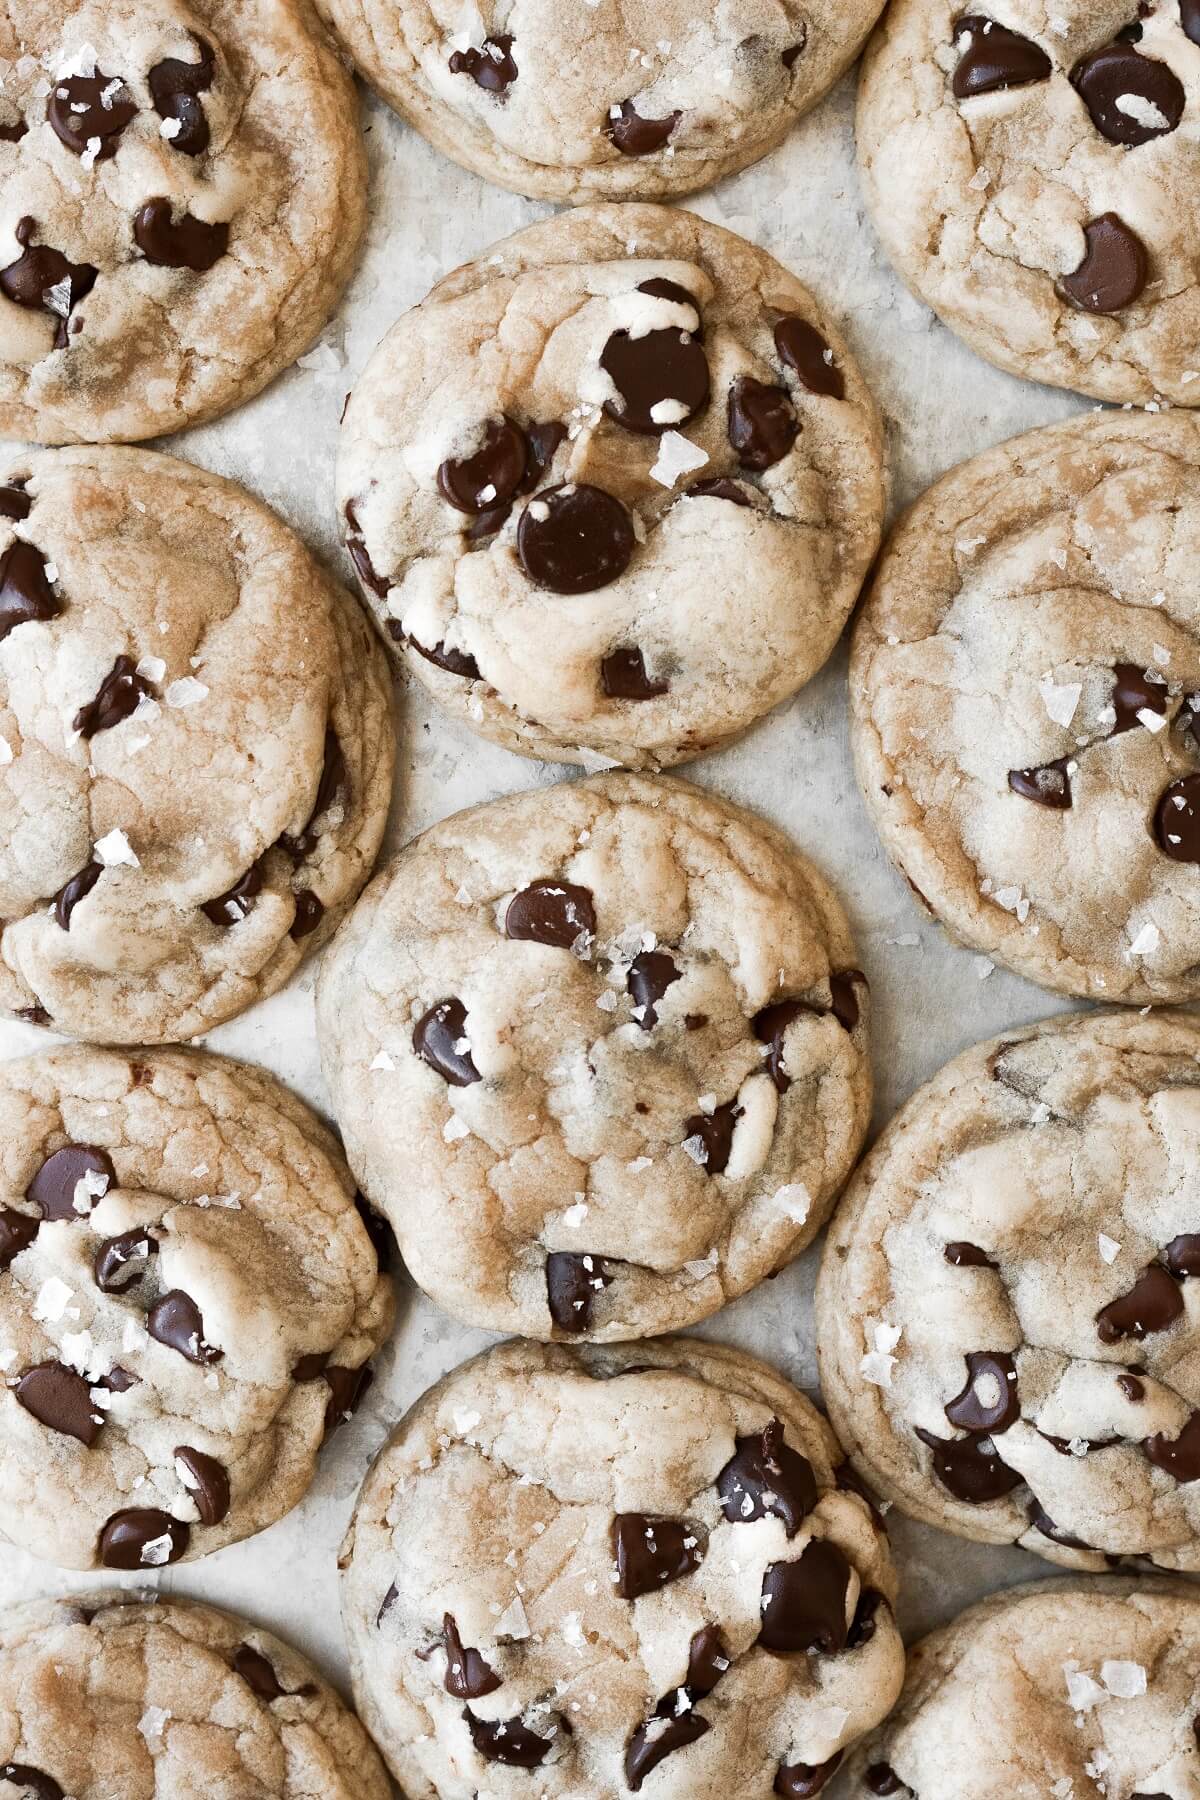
(184, 191)
(188, 1299)
(603, 99)
(1032, 169)
(599, 1053)
(1054, 1687)
(614, 1571)
(1025, 703)
(196, 746)
(612, 489)
(1007, 1317)
(113, 1697)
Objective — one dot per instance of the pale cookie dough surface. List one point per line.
(1032, 167)
(134, 1698)
(599, 1053)
(553, 1540)
(1025, 691)
(188, 1299)
(1008, 1320)
(603, 99)
(187, 229)
(192, 716)
(1084, 1687)
(663, 618)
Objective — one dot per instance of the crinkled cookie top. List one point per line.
(1032, 168)
(1009, 1320)
(183, 191)
(108, 1698)
(594, 99)
(1025, 689)
(599, 1052)
(613, 487)
(188, 1299)
(618, 1571)
(195, 746)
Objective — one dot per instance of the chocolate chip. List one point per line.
(762, 423)
(791, 56)
(1133, 1389)
(850, 1481)
(656, 373)
(37, 278)
(312, 1367)
(972, 1410)
(1177, 820)
(803, 349)
(34, 1781)
(118, 1380)
(112, 1260)
(1189, 18)
(356, 549)
(492, 67)
(468, 1676)
(437, 1037)
(84, 108)
(634, 136)
(574, 539)
(1047, 785)
(492, 475)
(347, 1389)
(968, 1256)
(129, 1534)
(12, 134)
(666, 1732)
(182, 243)
(332, 787)
(383, 1238)
(804, 1602)
(59, 1398)
(623, 677)
(770, 1026)
(231, 907)
(309, 913)
(866, 1618)
(843, 996)
(1109, 79)
(715, 1131)
(17, 1232)
(995, 58)
(175, 87)
(1134, 692)
(176, 1322)
(1077, 1446)
(116, 698)
(1178, 1456)
(25, 592)
(765, 1475)
(1114, 269)
(444, 656)
(257, 1672)
(572, 1283)
(52, 1189)
(719, 487)
(15, 503)
(542, 442)
(881, 1778)
(1182, 1255)
(507, 1741)
(209, 1484)
(708, 1660)
(650, 1553)
(968, 1470)
(33, 1015)
(800, 1781)
(75, 890)
(552, 912)
(1041, 1521)
(386, 1605)
(651, 973)
(1152, 1303)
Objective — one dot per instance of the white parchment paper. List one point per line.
(930, 999)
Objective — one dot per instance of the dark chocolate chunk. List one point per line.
(657, 373)
(175, 1321)
(25, 592)
(652, 1552)
(1182, 1255)
(1114, 270)
(347, 1388)
(113, 1260)
(623, 676)
(258, 1674)
(87, 110)
(208, 1483)
(15, 503)
(17, 1232)
(574, 539)
(75, 890)
(666, 1732)
(175, 88)
(968, 1256)
(59, 1398)
(1179, 1456)
(1152, 1303)
(507, 1741)
(719, 487)
(882, 1779)
(52, 1189)
(1041, 1521)
(803, 349)
(1109, 79)
(1177, 820)
(128, 1535)
(635, 136)
(572, 1283)
(995, 58)
(1047, 785)
(116, 698)
(800, 1781)
(651, 973)
(309, 913)
(552, 912)
(491, 477)
(178, 243)
(356, 549)
(491, 67)
(715, 1131)
(43, 279)
(972, 1410)
(468, 1676)
(1134, 692)
(804, 1602)
(440, 1039)
(445, 656)
(765, 1475)
(762, 423)
(967, 1469)
(35, 1782)
(231, 907)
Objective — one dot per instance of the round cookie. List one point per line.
(184, 191)
(599, 1054)
(188, 1299)
(115, 1697)
(1055, 1687)
(195, 746)
(618, 99)
(1025, 699)
(611, 490)
(630, 1570)
(1032, 171)
(1008, 1327)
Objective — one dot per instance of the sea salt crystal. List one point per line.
(151, 668)
(1146, 942)
(153, 1719)
(187, 691)
(114, 852)
(383, 1061)
(454, 1129)
(1124, 1680)
(575, 1215)
(677, 456)
(1109, 1248)
(877, 1365)
(1060, 701)
(52, 1298)
(794, 1200)
(1082, 1692)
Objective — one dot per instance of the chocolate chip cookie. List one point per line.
(603, 99)
(612, 489)
(1025, 695)
(114, 1697)
(1058, 1688)
(617, 1571)
(1032, 171)
(184, 191)
(188, 1299)
(1008, 1322)
(599, 1053)
(195, 746)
